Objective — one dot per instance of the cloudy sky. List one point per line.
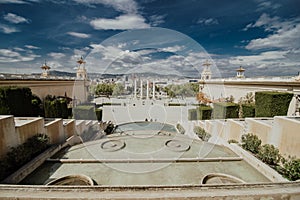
(163, 36)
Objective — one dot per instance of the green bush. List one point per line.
(291, 169)
(225, 110)
(232, 141)
(248, 110)
(270, 104)
(19, 101)
(251, 142)
(204, 112)
(180, 128)
(201, 133)
(56, 107)
(20, 155)
(269, 154)
(84, 112)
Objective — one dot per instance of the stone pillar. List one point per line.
(135, 88)
(147, 94)
(141, 89)
(153, 91)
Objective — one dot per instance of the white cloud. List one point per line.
(267, 5)
(11, 56)
(56, 55)
(157, 19)
(13, 18)
(208, 21)
(17, 1)
(8, 29)
(285, 34)
(123, 22)
(172, 49)
(79, 35)
(31, 47)
(126, 6)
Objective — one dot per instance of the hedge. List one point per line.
(204, 112)
(84, 112)
(248, 110)
(225, 110)
(19, 101)
(270, 104)
(99, 114)
(56, 107)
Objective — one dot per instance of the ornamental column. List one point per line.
(147, 94)
(153, 90)
(141, 95)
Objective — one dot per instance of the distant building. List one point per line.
(206, 73)
(45, 69)
(240, 72)
(81, 71)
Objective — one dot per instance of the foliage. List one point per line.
(291, 169)
(251, 142)
(229, 99)
(56, 107)
(183, 90)
(22, 154)
(118, 89)
(247, 110)
(84, 112)
(180, 128)
(104, 89)
(201, 133)
(19, 101)
(224, 110)
(232, 141)
(269, 154)
(204, 112)
(202, 99)
(270, 104)
(248, 99)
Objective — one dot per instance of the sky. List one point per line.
(161, 36)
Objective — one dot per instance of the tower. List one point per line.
(81, 71)
(45, 68)
(206, 73)
(240, 72)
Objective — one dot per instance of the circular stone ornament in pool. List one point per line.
(178, 146)
(112, 145)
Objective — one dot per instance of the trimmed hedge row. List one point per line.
(202, 112)
(19, 101)
(84, 112)
(270, 104)
(248, 110)
(224, 110)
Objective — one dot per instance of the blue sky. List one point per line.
(263, 36)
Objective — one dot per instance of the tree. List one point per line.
(104, 89)
(118, 89)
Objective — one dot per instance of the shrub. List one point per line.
(291, 169)
(232, 141)
(270, 104)
(19, 101)
(225, 110)
(201, 133)
(180, 128)
(20, 155)
(251, 142)
(84, 112)
(269, 154)
(56, 107)
(204, 112)
(248, 110)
